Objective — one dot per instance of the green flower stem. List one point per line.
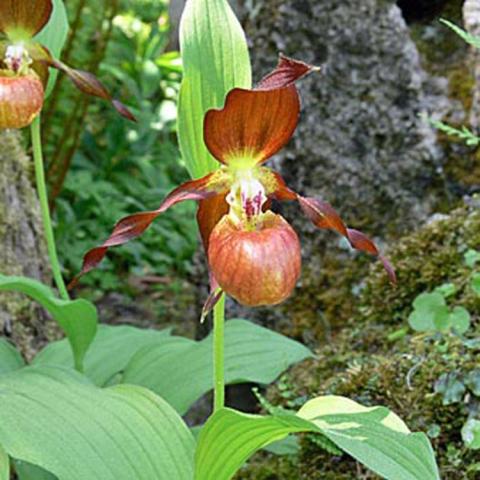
(218, 354)
(47, 221)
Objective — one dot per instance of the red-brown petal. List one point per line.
(23, 19)
(361, 242)
(134, 225)
(209, 213)
(89, 84)
(21, 99)
(323, 215)
(287, 72)
(253, 125)
(259, 267)
(256, 124)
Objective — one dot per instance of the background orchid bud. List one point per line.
(21, 99)
(256, 267)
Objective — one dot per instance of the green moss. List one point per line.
(360, 362)
(423, 261)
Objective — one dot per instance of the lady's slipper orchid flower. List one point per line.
(253, 253)
(24, 64)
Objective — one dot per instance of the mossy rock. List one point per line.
(373, 362)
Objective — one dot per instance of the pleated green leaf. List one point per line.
(56, 419)
(54, 36)
(183, 373)
(4, 465)
(10, 358)
(110, 352)
(229, 438)
(215, 60)
(77, 318)
(373, 436)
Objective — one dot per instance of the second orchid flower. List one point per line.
(24, 64)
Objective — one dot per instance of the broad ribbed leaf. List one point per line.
(229, 438)
(374, 436)
(183, 373)
(77, 318)
(215, 60)
(53, 36)
(57, 420)
(10, 358)
(110, 352)
(4, 465)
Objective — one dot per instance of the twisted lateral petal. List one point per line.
(88, 83)
(23, 19)
(322, 215)
(134, 225)
(361, 242)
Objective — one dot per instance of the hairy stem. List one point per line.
(47, 221)
(218, 354)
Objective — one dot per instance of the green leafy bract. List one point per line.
(56, 419)
(215, 59)
(77, 318)
(374, 436)
(182, 373)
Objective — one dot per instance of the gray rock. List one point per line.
(361, 143)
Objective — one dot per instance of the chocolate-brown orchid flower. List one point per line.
(253, 253)
(24, 64)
